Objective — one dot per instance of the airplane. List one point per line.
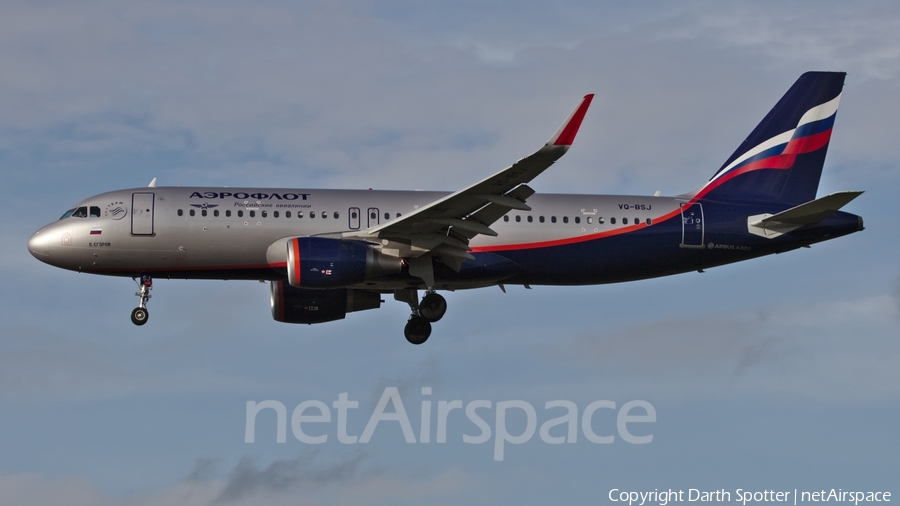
(327, 253)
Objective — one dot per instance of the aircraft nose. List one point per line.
(39, 245)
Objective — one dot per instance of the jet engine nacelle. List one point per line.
(321, 262)
(299, 305)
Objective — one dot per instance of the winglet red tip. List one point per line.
(566, 133)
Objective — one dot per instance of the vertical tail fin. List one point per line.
(782, 159)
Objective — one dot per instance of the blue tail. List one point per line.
(781, 161)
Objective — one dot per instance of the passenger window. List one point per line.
(506, 218)
(81, 212)
(324, 215)
(565, 219)
(624, 221)
(577, 219)
(312, 214)
(637, 221)
(518, 218)
(180, 212)
(590, 219)
(387, 216)
(228, 213)
(240, 214)
(299, 214)
(353, 215)
(216, 213)
(600, 220)
(275, 214)
(649, 221)
(264, 213)
(252, 214)
(203, 212)
(530, 218)
(398, 215)
(95, 212)
(541, 219)
(287, 214)
(553, 219)
(612, 221)
(191, 212)
(373, 216)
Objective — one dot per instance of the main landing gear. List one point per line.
(430, 310)
(139, 315)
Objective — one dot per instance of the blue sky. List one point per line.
(778, 373)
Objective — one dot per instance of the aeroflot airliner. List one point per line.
(327, 253)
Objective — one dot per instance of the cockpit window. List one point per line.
(81, 212)
(67, 214)
(95, 212)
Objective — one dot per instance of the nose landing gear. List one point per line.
(431, 309)
(140, 314)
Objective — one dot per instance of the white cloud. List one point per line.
(324, 94)
(839, 351)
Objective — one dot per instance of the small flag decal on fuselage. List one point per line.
(96, 231)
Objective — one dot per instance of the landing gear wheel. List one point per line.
(417, 330)
(139, 316)
(433, 307)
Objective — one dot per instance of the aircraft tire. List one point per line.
(433, 307)
(139, 316)
(417, 330)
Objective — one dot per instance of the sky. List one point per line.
(778, 373)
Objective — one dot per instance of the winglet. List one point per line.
(566, 133)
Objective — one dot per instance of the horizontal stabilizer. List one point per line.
(774, 225)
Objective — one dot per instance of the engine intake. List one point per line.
(321, 262)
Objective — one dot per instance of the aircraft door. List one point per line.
(142, 213)
(354, 218)
(692, 225)
(373, 216)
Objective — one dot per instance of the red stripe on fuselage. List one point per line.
(783, 161)
(578, 239)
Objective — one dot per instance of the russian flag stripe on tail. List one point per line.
(782, 159)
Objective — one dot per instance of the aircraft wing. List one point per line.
(445, 226)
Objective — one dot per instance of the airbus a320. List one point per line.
(327, 253)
